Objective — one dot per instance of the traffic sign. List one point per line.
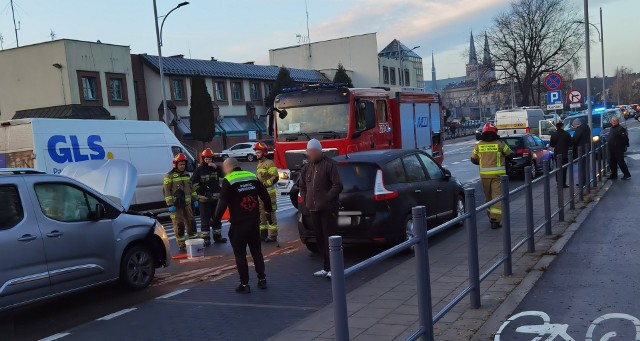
(575, 105)
(575, 96)
(554, 97)
(553, 81)
(555, 106)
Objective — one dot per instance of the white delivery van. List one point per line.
(524, 121)
(51, 144)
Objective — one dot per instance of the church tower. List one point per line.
(433, 73)
(472, 65)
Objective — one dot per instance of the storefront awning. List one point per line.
(237, 126)
(184, 127)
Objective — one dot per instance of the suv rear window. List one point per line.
(357, 177)
(513, 143)
(11, 212)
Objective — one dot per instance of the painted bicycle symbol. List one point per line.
(548, 331)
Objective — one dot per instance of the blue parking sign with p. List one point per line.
(554, 97)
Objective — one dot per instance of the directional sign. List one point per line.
(575, 96)
(553, 81)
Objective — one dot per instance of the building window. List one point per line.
(221, 91)
(136, 91)
(178, 91)
(268, 88)
(236, 90)
(254, 91)
(381, 110)
(89, 85)
(392, 75)
(406, 77)
(117, 89)
(385, 75)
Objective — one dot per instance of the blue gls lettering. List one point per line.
(422, 122)
(60, 151)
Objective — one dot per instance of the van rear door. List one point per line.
(512, 122)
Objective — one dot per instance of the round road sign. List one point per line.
(575, 96)
(553, 81)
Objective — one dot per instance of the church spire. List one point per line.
(473, 58)
(433, 73)
(486, 60)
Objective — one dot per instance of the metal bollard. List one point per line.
(338, 288)
(471, 224)
(528, 197)
(506, 225)
(600, 164)
(587, 169)
(547, 197)
(560, 176)
(572, 189)
(606, 159)
(581, 173)
(419, 214)
(594, 169)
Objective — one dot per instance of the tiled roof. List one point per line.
(66, 111)
(211, 68)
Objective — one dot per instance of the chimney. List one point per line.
(213, 59)
(177, 56)
(249, 63)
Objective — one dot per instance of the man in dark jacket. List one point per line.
(581, 138)
(320, 186)
(241, 192)
(561, 142)
(618, 142)
(206, 180)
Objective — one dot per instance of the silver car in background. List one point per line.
(59, 234)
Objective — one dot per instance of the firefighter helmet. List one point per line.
(261, 146)
(179, 158)
(206, 153)
(489, 128)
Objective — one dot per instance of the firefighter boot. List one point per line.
(180, 236)
(204, 234)
(273, 233)
(218, 238)
(264, 231)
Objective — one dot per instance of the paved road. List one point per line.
(294, 293)
(596, 275)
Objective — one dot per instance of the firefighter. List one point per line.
(491, 155)
(267, 174)
(241, 192)
(179, 194)
(206, 182)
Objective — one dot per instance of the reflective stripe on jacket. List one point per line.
(267, 173)
(491, 157)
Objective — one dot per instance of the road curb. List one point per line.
(511, 302)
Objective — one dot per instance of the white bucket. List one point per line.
(195, 248)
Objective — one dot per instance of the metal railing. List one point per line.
(591, 166)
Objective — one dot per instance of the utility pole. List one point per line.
(588, 69)
(306, 8)
(604, 89)
(16, 28)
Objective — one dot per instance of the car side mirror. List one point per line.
(447, 174)
(98, 212)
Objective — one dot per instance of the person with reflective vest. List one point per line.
(268, 175)
(206, 182)
(491, 155)
(179, 194)
(241, 193)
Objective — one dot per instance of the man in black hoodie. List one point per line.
(618, 143)
(561, 142)
(581, 138)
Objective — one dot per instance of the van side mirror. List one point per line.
(98, 213)
(190, 166)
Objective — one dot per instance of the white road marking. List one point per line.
(634, 156)
(116, 314)
(455, 163)
(55, 337)
(171, 294)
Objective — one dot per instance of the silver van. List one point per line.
(59, 235)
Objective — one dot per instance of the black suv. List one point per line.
(380, 188)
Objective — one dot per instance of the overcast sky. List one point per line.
(244, 30)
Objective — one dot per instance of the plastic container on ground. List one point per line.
(195, 248)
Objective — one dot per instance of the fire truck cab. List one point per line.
(349, 120)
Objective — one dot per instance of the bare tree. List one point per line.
(626, 87)
(533, 38)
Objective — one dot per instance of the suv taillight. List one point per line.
(523, 151)
(381, 193)
(300, 200)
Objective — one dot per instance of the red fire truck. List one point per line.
(349, 120)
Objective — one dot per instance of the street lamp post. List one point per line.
(588, 69)
(165, 109)
(601, 38)
(401, 57)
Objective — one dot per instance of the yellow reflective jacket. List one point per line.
(267, 173)
(174, 181)
(491, 157)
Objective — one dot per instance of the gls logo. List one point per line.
(62, 151)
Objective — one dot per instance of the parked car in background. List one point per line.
(526, 120)
(61, 234)
(627, 111)
(636, 107)
(553, 118)
(380, 188)
(240, 151)
(601, 119)
(529, 150)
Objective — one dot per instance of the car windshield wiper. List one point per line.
(328, 132)
(291, 137)
(305, 135)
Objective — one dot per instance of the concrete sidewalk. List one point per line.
(386, 307)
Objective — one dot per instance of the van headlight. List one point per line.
(596, 138)
(283, 175)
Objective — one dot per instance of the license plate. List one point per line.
(344, 221)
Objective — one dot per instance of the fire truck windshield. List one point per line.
(322, 122)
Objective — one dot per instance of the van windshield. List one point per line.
(357, 177)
